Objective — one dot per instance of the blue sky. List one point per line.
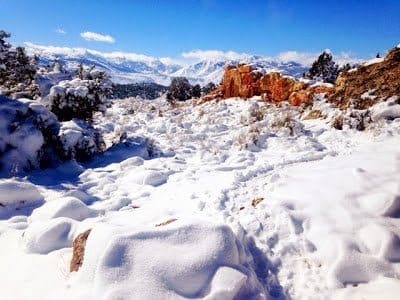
(168, 27)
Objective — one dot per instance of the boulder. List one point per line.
(326, 89)
(276, 88)
(300, 97)
(78, 245)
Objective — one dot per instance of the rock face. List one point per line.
(239, 82)
(381, 80)
(78, 245)
(243, 82)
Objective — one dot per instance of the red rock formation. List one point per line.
(275, 88)
(300, 97)
(243, 82)
(239, 82)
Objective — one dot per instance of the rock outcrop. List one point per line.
(78, 245)
(369, 83)
(243, 82)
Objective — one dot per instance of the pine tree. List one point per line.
(345, 68)
(196, 91)
(180, 89)
(208, 88)
(17, 70)
(324, 68)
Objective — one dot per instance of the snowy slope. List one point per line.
(221, 200)
(131, 68)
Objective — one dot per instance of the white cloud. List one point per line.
(60, 31)
(97, 37)
(304, 58)
(214, 55)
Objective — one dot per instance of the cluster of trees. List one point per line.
(79, 98)
(325, 68)
(17, 70)
(181, 90)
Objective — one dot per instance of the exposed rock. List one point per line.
(256, 201)
(169, 221)
(300, 97)
(243, 82)
(276, 88)
(239, 82)
(327, 89)
(369, 84)
(79, 245)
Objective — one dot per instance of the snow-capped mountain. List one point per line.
(132, 68)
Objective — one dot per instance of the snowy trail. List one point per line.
(300, 202)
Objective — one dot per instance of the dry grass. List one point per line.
(169, 221)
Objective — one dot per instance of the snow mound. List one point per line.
(382, 288)
(132, 162)
(175, 261)
(44, 237)
(18, 198)
(68, 207)
(146, 177)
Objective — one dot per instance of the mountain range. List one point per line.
(126, 68)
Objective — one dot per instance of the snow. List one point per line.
(374, 61)
(68, 207)
(200, 67)
(389, 109)
(17, 197)
(44, 237)
(161, 255)
(225, 200)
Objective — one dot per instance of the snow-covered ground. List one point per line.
(235, 199)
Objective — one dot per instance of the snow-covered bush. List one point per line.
(285, 124)
(17, 71)
(80, 97)
(31, 137)
(352, 119)
(28, 132)
(79, 140)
